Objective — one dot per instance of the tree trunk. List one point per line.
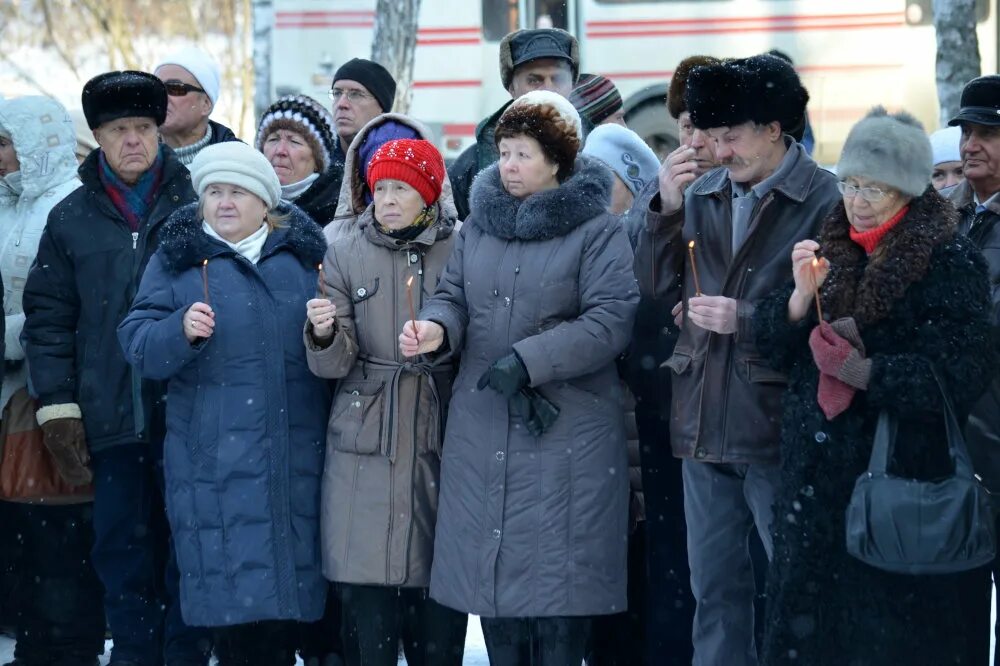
(395, 43)
(957, 52)
(263, 24)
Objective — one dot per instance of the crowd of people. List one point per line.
(320, 396)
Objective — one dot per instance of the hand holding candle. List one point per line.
(815, 270)
(322, 281)
(204, 280)
(694, 269)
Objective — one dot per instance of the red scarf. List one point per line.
(869, 240)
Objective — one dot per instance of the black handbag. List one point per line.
(909, 526)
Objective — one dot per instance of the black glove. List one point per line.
(507, 376)
(537, 412)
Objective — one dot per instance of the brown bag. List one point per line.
(27, 473)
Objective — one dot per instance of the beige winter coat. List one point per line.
(380, 484)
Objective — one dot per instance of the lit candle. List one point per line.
(322, 281)
(694, 269)
(204, 279)
(819, 308)
(413, 313)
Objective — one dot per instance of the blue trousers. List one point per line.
(134, 558)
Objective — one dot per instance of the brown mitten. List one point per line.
(64, 437)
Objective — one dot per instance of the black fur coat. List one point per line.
(921, 298)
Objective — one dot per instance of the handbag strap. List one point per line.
(888, 426)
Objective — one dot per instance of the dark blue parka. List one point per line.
(246, 420)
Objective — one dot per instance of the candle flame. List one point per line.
(409, 283)
(205, 263)
(320, 266)
(691, 245)
(815, 262)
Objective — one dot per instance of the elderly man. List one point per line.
(978, 201)
(744, 216)
(102, 420)
(542, 59)
(192, 81)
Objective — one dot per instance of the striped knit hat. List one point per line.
(596, 98)
(307, 117)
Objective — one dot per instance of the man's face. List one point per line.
(184, 112)
(980, 151)
(353, 108)
(553, 74)
(129, 145)
(698, 139)
(747, 150)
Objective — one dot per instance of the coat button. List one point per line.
(496, 534)
(506, 301)
(362, 292)
(700, 452)
(517, 269)
(820, 437)
(496, 292)
(500, 456)
(414, 258)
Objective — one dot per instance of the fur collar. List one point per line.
(183, 244)
(583, 196)
(867, 288)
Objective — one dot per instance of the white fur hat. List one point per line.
(562, 105)
(236, 163)
(202, 68)
(944, 145)
(625, 153)
(888, 148)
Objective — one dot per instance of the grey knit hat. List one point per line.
(888, 148)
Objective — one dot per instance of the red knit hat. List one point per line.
(413, 161)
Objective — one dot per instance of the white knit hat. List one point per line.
(201, 66)
(944, 145)
(236, 163)
(625, 153)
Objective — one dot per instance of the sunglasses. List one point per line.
(179, 89)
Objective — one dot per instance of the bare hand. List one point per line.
(678, 312)
(677, 172)
(322, 315)
(713, 313)
(808, 277)
(199, 322)
(427, 337)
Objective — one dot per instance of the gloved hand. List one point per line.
(836, 356)
(67, 443)
(537, 412)
(507, 376)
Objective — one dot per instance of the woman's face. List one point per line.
(866, 214)
(8, 158)
(234, 213)
(290, 155)
(397, 204)
(524, 168)
(946, 174)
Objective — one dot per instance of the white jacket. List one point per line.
(44, 140)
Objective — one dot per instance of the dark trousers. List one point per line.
(669, 602)
(617, 640)
(269, 643)
(59, 605)
(536, 641)
(134, 557)
(321, 640)
(377, 617)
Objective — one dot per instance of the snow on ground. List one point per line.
(475, 648)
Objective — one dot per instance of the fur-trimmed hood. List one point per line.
(867, 288)
(583, 196)
(183, 243)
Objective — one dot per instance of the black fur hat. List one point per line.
(127, 94)
(760, 89)
(678, 82)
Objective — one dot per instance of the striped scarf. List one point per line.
(132, 201)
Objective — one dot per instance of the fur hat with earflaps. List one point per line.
(888, 148)
(523, 46)
(759, 89)
(678, 82)
(551, 120)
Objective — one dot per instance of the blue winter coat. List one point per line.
(246, 420)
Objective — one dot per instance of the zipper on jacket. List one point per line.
(135, 240)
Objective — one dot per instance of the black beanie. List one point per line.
(372, 76)
(127, 94)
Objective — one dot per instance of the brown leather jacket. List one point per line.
(726, 398)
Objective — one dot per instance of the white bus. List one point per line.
(851, 54)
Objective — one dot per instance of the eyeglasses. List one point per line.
(179, 89)
(869, 194)
(353, 96)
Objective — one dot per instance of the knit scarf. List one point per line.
(869, 240)
(410, 232)
(132, 201)
(186, 154)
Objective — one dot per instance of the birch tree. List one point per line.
(957, 52)
(394, 45)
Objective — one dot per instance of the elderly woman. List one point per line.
(219, 315)
(538, 298)
(903, 295)
(380, 487)
(297, 136)
(58, 601)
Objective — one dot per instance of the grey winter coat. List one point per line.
(536, 526)
(380, 484)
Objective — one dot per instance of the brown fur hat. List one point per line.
(549, 119)
(678, 82)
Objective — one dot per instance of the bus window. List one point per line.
(634, 2)
(499, 18)
(921, 12)
(551, 14)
